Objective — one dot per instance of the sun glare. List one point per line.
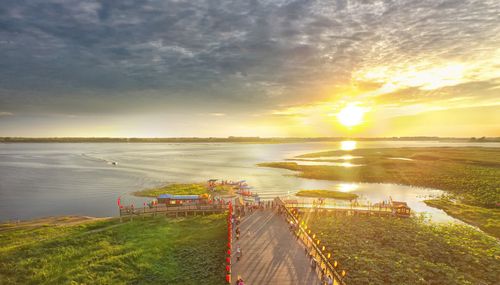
(347, 187)
(351, 115)
(348, 145)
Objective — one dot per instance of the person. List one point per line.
(329, 280)
(240, 281)
(323, 279)
(239, 253)
(313, 263)
(237, 233)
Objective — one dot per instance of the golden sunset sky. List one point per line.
(250, 68)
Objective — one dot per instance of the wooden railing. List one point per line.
(162, 209)
(314, 248)
(338, 205)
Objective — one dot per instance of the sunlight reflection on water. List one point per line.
(348, 145)
(348, 187)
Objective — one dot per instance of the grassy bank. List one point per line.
(184, 189)
(377, 250)
(487, 220)
(327, 194)
(468, 174)
(150, 251)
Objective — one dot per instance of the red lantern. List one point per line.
(228, 260)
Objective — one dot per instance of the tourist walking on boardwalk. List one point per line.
(324, 279)
(239, 253)
(313, 263)
(329, 280)
(240, 281)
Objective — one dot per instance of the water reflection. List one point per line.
(401, 158)
(343, 157)
(347, 187)
(325, 163)
(348, 145)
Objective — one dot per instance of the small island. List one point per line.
(188, 189)
(327, 194)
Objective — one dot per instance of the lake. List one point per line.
(45, 179)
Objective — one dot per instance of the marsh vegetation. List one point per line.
(468, 174)
(150, 251)
(377, 250)
(327, 194)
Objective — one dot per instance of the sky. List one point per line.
(270, 68)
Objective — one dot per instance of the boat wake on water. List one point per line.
(98, 159)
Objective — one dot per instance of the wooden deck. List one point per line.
(271, 253)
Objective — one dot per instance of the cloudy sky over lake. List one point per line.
(249, 68)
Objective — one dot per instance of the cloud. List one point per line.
(217, 114)
(6, 114)
(107, 57)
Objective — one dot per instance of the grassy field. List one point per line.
(376, 250)
(327, 194)
(184, 189)
(468, 174)
(150, 251)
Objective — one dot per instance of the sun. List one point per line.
(351, 115)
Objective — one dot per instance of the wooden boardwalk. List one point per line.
(175, 211)
(271, 253)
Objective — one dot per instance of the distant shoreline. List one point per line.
(255, 140)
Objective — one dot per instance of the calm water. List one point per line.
(78, 178)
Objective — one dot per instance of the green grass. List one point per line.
(468, 174)
(150, 251)
(184, 189)
(487, 220)
(376, 250)
(327, 194)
